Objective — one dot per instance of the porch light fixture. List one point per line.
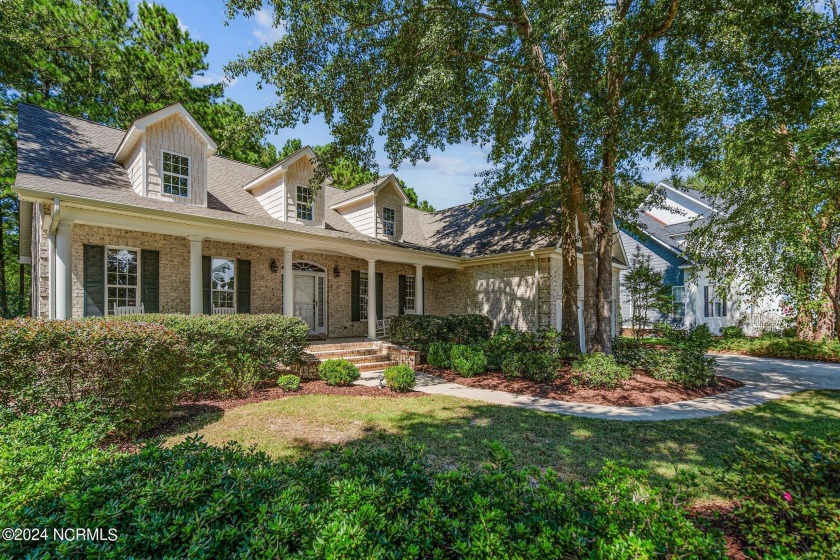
(336, 271)
(273, 266)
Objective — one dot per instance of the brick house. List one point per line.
(113, 218)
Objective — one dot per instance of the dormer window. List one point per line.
(176, 174)
(389, 219)
(304, 203)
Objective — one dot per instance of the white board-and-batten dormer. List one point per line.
(376, 209)
(284, 190)
(165, 154)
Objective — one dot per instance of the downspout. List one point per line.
(536, 291)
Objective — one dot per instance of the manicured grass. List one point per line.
(783, 348)
(457, 431)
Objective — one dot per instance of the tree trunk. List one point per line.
(570, 279)
(4, 302)
(588, 243)
(804, 322)
(825, 317)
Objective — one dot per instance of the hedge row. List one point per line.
(420, 331)
(135, 367)
(782, 348)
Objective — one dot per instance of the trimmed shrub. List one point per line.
(420, 331)
(468, 361)
(338, 372)
(40, 453)
(289, 383)
(508, 341)
(231, 355)
(197, 500)
(399, 378)
(439, 355)
(629, 351)
(131, 370)
(534, 366)
(731, 332)
(788, 497)
(599, 371)
(783, 348)
(684, 361)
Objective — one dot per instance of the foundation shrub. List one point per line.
(732, 332)
(788, 497)
(399, 378)
(508, 341)
(338, 372)
(420, 331)
(231, 355)
(289, 383)
(629, 351)
(131, 370)
(439, 355)
(468, 361)
(597, 370)
(533, 366)
(684, 360)
(200, 501)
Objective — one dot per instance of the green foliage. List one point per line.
(773, 346)
(289, 383)
(534, 366)
(40, 453)
(508, 341)
(230, 355)
(130, 369)
(468, 361)
(439, 355)
(684, 361)
(399, 378)
(646, 291)
(199, 501)
(732, 332)
(788, 497)
(597, 370)
(420, 331)
(629, 351)
(338, 372)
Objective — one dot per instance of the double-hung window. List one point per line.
(389, 218)
(176, 174)
(304, 203)
(222, 283)
(679, 297)
(121, 270)
(410, 291)
(363, 296)
(714, 303)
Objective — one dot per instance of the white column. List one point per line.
(371, 291)
(63, 271)
(196, 287)
(418, 289)
(288, 284)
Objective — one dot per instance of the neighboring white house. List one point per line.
(699, 301)
(150, 216)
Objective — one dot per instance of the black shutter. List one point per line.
(243, 286)
(379, 299)
(355, 295)
(94, 256)
(401, 292)
(705, 301)
(205, 281)
(150, 281)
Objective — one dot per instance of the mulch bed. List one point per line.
(640, 390)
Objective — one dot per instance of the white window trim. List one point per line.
(363, 299)
(235, 281)
(322, 274)
(392, 222)
(311, 204)
(189, 172)
(108, 308)
(412, 299)
(715, 313)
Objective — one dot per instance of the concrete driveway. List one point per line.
(764, 380)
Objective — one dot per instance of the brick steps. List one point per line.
(367, 356)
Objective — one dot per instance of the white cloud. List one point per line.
(181, 25)
(211, 78)
(264, 30)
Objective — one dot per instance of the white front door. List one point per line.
(310, 300)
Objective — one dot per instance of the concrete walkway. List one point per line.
(764, 380)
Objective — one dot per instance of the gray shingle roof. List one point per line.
(63, 155)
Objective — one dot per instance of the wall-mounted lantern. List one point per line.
(336, 271)
(273, 266)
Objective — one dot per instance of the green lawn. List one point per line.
(457, 431)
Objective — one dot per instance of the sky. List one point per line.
(445, 180)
